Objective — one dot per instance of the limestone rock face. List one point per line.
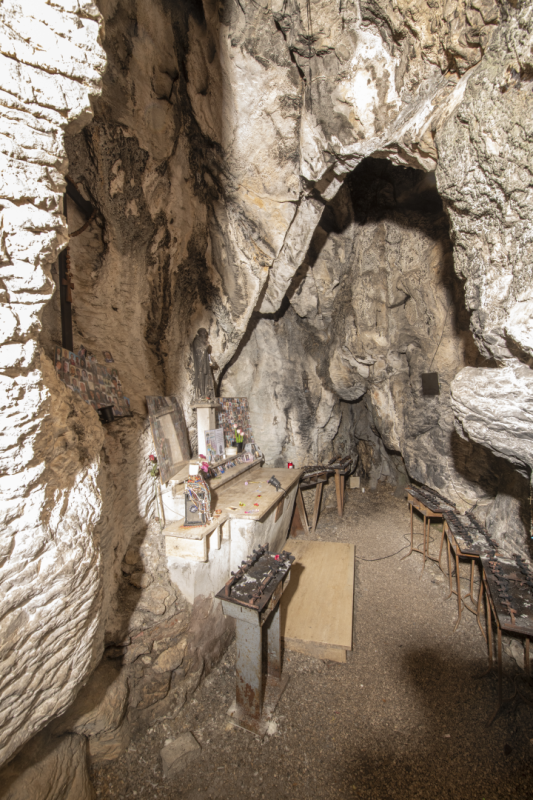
(226, 150)
(101, 704)
(374, 305)
(50, 451)
(484, 176)
(495, 407)
(49, 767)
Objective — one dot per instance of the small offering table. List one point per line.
(251, 596)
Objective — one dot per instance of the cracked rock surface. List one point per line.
(262, 170)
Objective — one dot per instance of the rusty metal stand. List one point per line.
(317, 480)
(255, 697)
(339, 490)
(516, 696)
(457, 552)
(427, 515)
(251, 597)
(340, 486)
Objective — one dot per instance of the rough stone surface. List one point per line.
(374, 305)
(222, 149)
(485, 177)
(49, 767)
(109, 745)
(51, 65)
(100, 706)
(179, 754)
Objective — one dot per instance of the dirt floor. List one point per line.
(405, 717)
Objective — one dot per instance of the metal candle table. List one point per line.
(467, 539)
(317, 476)
(432, 506)
(251, 597)
(509, 588)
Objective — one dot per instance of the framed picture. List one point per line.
(169, 432)
(214, 443)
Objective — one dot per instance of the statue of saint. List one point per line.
(204, 385)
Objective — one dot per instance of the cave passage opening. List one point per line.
(374, 306)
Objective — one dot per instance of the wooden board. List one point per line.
(246, 488)
(190, 542)
(317, 606)
(183, 473)
(231, 474)
(181, 531)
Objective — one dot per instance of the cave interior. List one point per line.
(339, 194)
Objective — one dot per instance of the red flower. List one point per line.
(152, 458)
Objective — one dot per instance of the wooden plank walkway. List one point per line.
(317, 606)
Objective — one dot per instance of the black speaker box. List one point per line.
(430, 384)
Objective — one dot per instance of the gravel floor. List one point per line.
(405, 717)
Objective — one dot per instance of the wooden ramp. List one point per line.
(317, 606)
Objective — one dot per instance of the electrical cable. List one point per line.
(382, 558)
(358, 558)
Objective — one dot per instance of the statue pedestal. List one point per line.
(206, 420)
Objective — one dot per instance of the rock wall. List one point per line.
(485, 178)
(50, 503)
(374, 305)
(237, 157)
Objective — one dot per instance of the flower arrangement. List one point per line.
(204, 466)
(238, 434)
(154, 466)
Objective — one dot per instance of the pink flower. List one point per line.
(152, 458)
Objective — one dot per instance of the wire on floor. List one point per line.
(358, 558)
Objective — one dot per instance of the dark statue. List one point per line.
(204, 385)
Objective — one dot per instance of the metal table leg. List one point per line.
(411, 549)
(273, 641)
(449, 566)
(458, 578)
(444, 525)
(500, 687)
(425, 546)
(427, 539)
(249, 669)
(338, 492)
(316, 507)
(489, 624)
(479, 599)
